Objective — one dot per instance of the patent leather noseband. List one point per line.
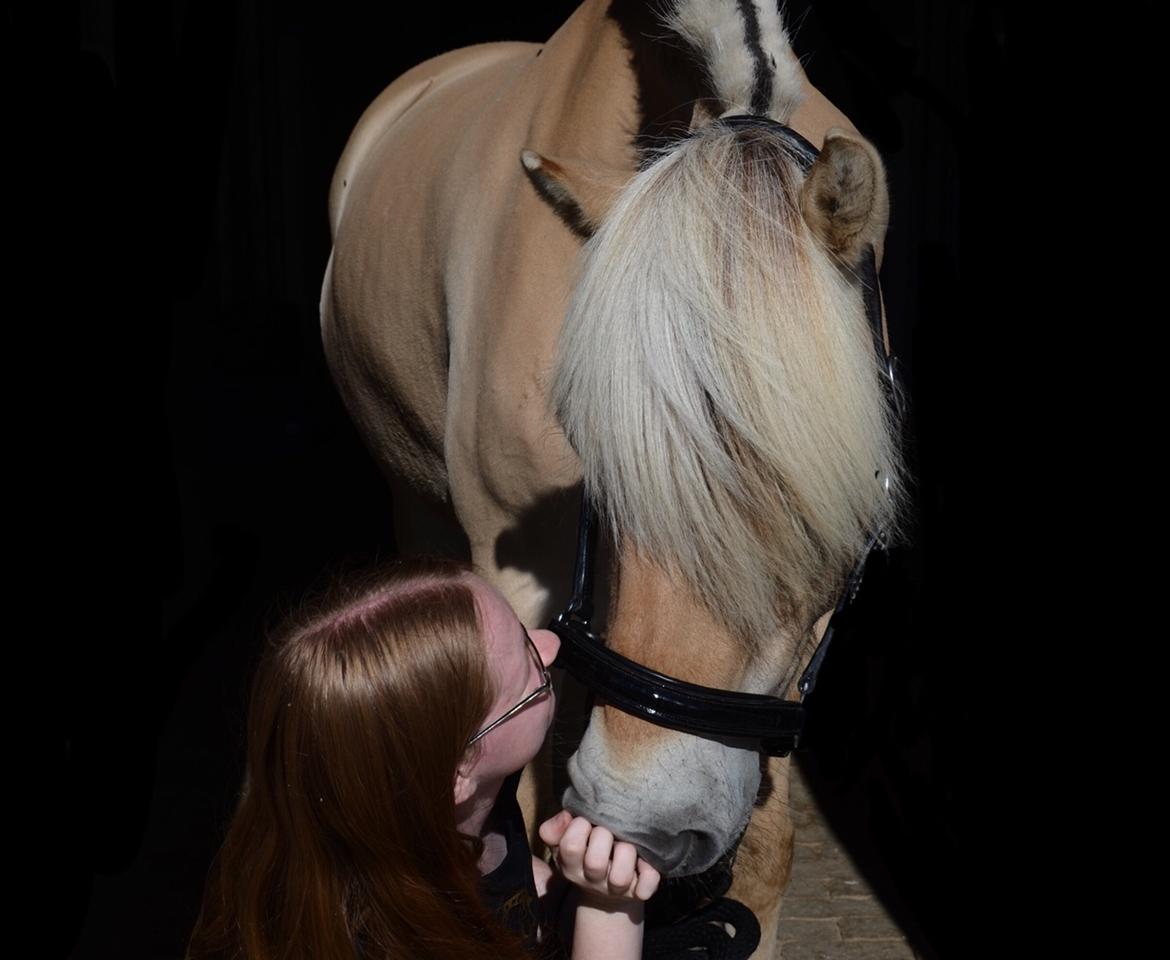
(775, 724)
(666, 701)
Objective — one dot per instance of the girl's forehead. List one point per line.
(501, 628)
(506, 649)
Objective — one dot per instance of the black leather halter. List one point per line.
(666, 701)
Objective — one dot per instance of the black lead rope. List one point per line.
(689, 916)
(703, 935)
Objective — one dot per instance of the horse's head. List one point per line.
(718, 378)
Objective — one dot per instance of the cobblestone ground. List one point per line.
(829, 912)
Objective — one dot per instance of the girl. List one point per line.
(387, 729)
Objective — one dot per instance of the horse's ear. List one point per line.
(579, 195)
(845, 201)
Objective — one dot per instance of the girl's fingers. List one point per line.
(621, 868)
(590, 857)
(648, 879)
(554, 828)
(597, 855)
(571, 849)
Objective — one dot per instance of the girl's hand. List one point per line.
(589, 857)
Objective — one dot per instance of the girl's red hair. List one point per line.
(344, 842)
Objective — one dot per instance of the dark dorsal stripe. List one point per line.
(762, 87)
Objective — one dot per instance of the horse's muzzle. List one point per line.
(672, 853)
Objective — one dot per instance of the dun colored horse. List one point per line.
(552, 263)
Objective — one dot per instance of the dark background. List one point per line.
(224, 475)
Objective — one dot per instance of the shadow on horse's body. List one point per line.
(454, 267)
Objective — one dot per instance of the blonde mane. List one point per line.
(718, 377)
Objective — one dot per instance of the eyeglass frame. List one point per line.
(544, 688)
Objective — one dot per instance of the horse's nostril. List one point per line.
(676, 855)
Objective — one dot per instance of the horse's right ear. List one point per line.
(845, 201)
(579, 195)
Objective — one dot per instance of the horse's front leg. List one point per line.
(491, 532)
(763, 865)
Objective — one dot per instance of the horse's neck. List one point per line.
(606, 82)
(586, 84)
(608, 78)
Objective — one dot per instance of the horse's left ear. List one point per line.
(845, 201)
(580, 195)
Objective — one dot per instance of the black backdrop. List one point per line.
(225, 475)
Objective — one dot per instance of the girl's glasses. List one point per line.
(539, 691)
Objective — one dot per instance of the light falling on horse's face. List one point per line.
(717, 377)
(683, 799)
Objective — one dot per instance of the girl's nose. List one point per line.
(547, 644)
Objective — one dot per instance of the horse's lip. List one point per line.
(665, 852)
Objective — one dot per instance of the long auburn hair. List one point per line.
(344, 841)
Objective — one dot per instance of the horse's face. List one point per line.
(683, 799)
(717, 376)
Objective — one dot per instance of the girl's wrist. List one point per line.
(631, 907)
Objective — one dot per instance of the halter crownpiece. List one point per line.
(805, 150)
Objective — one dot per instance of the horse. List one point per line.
(555, 268)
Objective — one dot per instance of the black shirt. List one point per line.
(509, 891)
